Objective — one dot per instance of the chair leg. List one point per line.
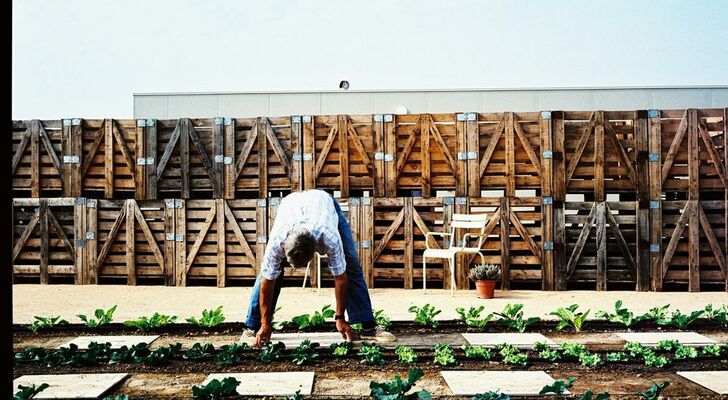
(305, 275)
(424, 275)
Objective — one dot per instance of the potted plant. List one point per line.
(485, 276)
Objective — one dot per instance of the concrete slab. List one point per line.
(269, 383)
(716, 381)
(513, 383)
(292, 340)
(521, 340)
(652, 338)
(116, 341)
(70, 386)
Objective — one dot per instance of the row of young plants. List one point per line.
(511, 317)
(443, 354)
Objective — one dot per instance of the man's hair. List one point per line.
(300, 246)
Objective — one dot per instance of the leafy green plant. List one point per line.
(216, 389)
(295, 396)
(619, 356)
(405, 354)
(657, 314)
(372, 354)
(589, 395)
(719, 314)
(512, 318)
(653, 392)
(209, 319)
(270, 351)
(621, 315)
(546, 352)
(472, 317)
(571, 349)
(568, 317)
(28, 392)
(635, 349)
(277, 325)
(683, 352)
(713, 350)
(667, 345)
(117, 397)
(558, 387)
(305, 352)
(31, 354)
(485, 272)
(130, 355)
(163, 355)
(382, 319)
(680, 320)
(491, 395)
(102, 317)
(341, 349)
(425, 315)
(397, 389)
(512, 355)
(199, 351)
(43, 323)
(653, 360)
(590, 360)
(444, 354)
(318, 318)
(230, 354)
(477, 352)
(145, 323)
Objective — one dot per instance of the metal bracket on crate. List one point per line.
(219, 120)
(416, 193)
(228, 121)
(472, 155)
(145, 161)
(471, 117)
(378, 117)
(654, 204)
(141, 123)
(177, 203)
(448, 201)
(228, 160)
(654, 248)
(262, 239)
(80, 242)
(306, 119)
(76, 122)
(548, 154)
(548, 245)
(261, 203)
(307, 156)
(461, 117)
(219, 158)
(354, 201)
(654, 157)
(91, 203)
(366, 244)
(169, 203)
(366, 201)
(297, 157)
(545, 114)
(356, 243)
(462, 200)
(296, 119)
(548, 200)
(179, 237)
(379, 156)
(388, 117)
(274, 201)
(169, 236)
(388, 157)
(67, 122)
(462, 155)
(90, 235)
(71, 160)
(80, 201)
(653, 113)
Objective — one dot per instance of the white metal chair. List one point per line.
(318, 270)
(459, 221)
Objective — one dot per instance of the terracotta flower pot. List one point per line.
(486, 289)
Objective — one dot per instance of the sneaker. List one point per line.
(377, 334)
(247, 337)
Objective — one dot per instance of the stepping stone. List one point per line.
(70, 386)
(652, 338)
(521, 340)
(116, 341)
(512, 383)
(269, 383)
(292, 340)
(716, 381)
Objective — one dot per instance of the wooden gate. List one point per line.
(37, 153)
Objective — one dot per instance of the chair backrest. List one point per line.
(470, 222)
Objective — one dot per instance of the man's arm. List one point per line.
(267, 287)
(341, 287)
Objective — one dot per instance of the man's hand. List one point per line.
(346, 332)
(264, 335)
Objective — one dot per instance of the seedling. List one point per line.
(558, 387)
(341, 349)
(512, 356)
(230, 354)
(305, 352)
(667, 345)
(145, 324)
(199, 351)
(405, 354)
(42, 323)
(713, 350)
(683, 352)
(497, 395)
(295, 396)
(216, 389)
(477, 352)
(102, 317)
(512, 318)
(621, 315)
(130, 355)
(444, 354)
(28, 392)
(653, 360)
(277, 325)
(318, 318)
(680, 320)
(657, 314)
(372, 354)
(31, 354)
(573, 349)
(382, 319)
(619, 356)
(270, 352)
(568, 317)
(425, 315)
(590, 360)
(653, 393)
(472, 318)
(717, 314)
(210, 318)
(398, 388)
(549, 354)
(162, 355)
(635, 349)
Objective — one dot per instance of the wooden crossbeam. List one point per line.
(389, 233)
(485, 160)
(168, 150)
(621, 153)
(21, 149)
(623, 247)
(713, 153)
(147, 234)
(277, 148)
(583, 236)
(61, 234)
(325, 150)
(26, 234)
(675, 238)
(246, 150)
(239, 235)
(581, 145)
(92, 153)
(526, 145)
(674, 146)
(110, 238)
(523, 233)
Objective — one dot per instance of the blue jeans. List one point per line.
(359, 306)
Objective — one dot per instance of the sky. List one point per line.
(86, 58)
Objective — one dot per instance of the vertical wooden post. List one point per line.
(218, 157)
(180, 241)
(505, 230)
(72, 149)
(461, 187)
(91, 242)
(408, 243)
(34, 158)
(262, 157)
(462, 206)
(472, 136)
(601, 245)
(447, 211)
(296, 171)
(261, 222)
(693, 201)
(655, 182)
(643, 195)
(425, 156)
(599, 194)
(309, 152)
(130, 244)
(229, 167)
(392, 152)
(44, 245)
(220, 229)
(343, 132)
(367, 239)
(109, 158)
(184, 155)
(79, 239)
(559, 195)
(170, 234)
(547, 214)
(379, 173)
(510, 156)
(140, 172)
(150, 147)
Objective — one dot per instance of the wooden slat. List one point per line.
(21, 149)
(674, 239)
(220, 228)
(510, 159)
(192, 253)
(581, 145)
(238, 233)
(343, 154)
(548, 278)
(505, 244)
(150, 151)
(712, 241)
(599, 194)
(59, 231)
(532, 246)
(26, 234)
(559, 194)
(218, 149)
(109, 158)
(34, 159)
(110, 238)
(92, 153)
(674, 147)
(426, 172)
(277, 148)
(655, 182)
(147, 234)
(389, 233)
(43, 136)
(621, 243)
(408, 244)
(130, 243)
(44, 245)
(712, 152)
(168, 150)
(583, 236)
(485, 159)
(321, 157)
(245, 152)
(184, 156)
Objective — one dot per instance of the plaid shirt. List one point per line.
(313, 210)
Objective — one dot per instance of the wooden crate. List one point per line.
(692, 248)
(127, 241)
(514, 238)
(189, 159)
(339, 153)
(223, 240)
(504, 152)
(278, 169)
(44, 239)
(37, 169)
(108, 151)
(603, 246)
(600, 152)
(393, 239)
(422, 155)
